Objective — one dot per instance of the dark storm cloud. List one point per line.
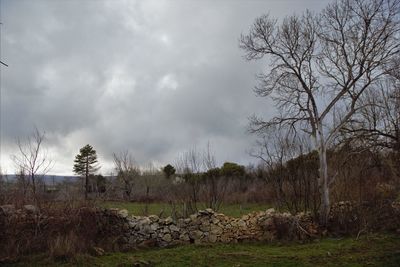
(153, 77)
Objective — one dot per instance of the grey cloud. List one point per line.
(154, 77)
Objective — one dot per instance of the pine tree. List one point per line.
(85, 165)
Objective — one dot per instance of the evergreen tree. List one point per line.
(85, 164)
(169, 171)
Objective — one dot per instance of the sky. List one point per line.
(155, 78)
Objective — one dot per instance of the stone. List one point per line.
(154, 226)
(123, 213)
(113, 211)
(144, 221)
(184, 237)
(212, 238)
(196, 234)
(205, 221)
(215, 229)
(204, 228)
(173, 228)
(168, 220)
(210, 211)
(167, 238)
(215, 220)
(154, 218)
(132, 223)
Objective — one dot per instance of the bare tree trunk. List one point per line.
(324, 185)
(33, 180)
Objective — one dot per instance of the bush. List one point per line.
(63, 230)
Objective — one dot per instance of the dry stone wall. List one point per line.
(207, 226)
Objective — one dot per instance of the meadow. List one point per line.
(373, 250)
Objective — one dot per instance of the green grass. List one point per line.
(136, 208)
(378, 250)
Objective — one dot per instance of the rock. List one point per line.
(270, 211)
(212, 238)
(204, 228)
(167, 238)
(123, 213)
(215, 220)
(184, 237)
(154, 226)
(216, 230)
(210, 211)
(205, 221)
(132, 223)
(173, 228)
(144, 221)
(154, 218)
(31, 209)
(168, 220)
(196, 234)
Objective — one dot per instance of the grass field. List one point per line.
(377, 250)
(135, 208)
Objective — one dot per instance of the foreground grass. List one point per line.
(138, 208)
(378, 250)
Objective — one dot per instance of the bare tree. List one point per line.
(377, 125)
(189, 166)
(127, 172)
(378, 122)
(321, 64)
(290, 167)
(214, 182)
(32, 158)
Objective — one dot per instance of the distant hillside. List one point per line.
(48, 179)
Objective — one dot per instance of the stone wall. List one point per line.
(207, 226)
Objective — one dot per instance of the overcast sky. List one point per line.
(153, 77)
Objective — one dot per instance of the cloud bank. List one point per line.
(152, 77)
